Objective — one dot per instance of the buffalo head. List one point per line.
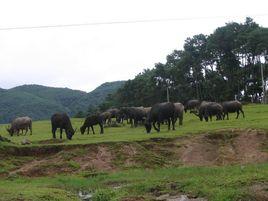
(10, 131)
(70, 133)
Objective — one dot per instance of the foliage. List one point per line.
(215, 67)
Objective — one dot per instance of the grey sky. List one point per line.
(86, 56)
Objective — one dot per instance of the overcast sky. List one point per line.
(83, 57)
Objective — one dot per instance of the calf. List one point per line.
(91, 121)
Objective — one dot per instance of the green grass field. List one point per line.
(215, 183)
(256, 117)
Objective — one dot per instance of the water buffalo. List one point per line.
(106, 117)
(122, 116)
(192, 105)
(20, 123)
(147, 110)
(159, 113)
(208, 109)
(91, 121)
(114, 114)
(135, 114)
(62, 121)
(179, 108)
(232, 107)
(213, 109)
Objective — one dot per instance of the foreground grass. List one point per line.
(214, 183)
(256, 117)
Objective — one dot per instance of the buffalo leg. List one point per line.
(135, 123)
(155, 126)
(87, 130)
(242, 113)
(237, 112)
(168, 124)
(174, 122)
(54, 133)
(131, 122)
(180, 120)
(101, 127)
(93, 129)
(61, 133)
(26, 131)
(158, 125)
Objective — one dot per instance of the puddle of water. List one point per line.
(85, 195)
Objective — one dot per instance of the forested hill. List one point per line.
(40, 102)
(216, 67)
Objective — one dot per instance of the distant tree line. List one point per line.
(216, 67)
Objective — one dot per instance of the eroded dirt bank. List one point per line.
(223, 147)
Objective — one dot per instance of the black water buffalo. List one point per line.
(208, 109)
(232, 107)
(122, 116)
(134, 114)
(62, 121)
(106, 117)
(91, 121)
(213, 109)
(179, 109)
(159, 113)
(114, 114)
(20, 123)
(192, 105)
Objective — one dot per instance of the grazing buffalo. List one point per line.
(122, 116)
(192, 105)
(179, 108)
(114, 114)
(159, 113)
(91, 121)
(62, 121)
(135, 114)
(106, 117)
(232, 107)
(208, 109)
(20, 123)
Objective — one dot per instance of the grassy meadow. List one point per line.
(215, 183)
(256, 116)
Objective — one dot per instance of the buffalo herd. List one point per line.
(154, 116)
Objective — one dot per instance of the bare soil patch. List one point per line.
(224, 147)
(259, 191)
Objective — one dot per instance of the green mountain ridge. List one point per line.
(40, 102)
